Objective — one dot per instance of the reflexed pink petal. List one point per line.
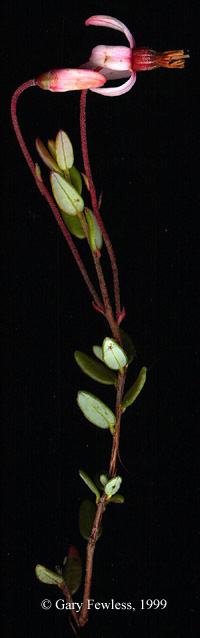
(118, 90)
(111, 56)
(113, 23)
(70, 80)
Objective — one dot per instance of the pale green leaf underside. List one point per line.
(47, 576)
(95, 410)
(113, 486)
(113, 355)
(65, 195)
(64, 151)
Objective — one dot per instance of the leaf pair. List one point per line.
(111, 486)
(66, 183)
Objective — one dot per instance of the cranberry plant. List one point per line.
(71, 194)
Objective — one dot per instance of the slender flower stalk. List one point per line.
(83, 128)
(44, 191)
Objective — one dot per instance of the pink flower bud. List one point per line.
(60, 80)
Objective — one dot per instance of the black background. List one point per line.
(143, 149)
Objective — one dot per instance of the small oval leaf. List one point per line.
(87, 513)
(113, 355)
(118, 498)
(95, 410)
(90, 484)
(98, 352)
(76, 180)
(72, 570)
(64, 151)
(45, 155)
(47, 576)
(103, 479)
(65, 195)
(128, 345)
(113, 486)
(73, 224)
(95, 235)
(94, 369)
(135, 389)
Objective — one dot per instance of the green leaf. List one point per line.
(113, 486)
(128, 345)
(72, 570)
(94, 369)
(64, 151)
(73, 224)
(76, 180)
(113, 355)
(95, 410)
(87, 513)
(135, 389)
(95, 235)
(98, 352)
(47, 576)
(117, 498)
(65, 195)
(103, 479)
(45, 155)
(90, 484)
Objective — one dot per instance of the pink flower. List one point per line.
(115, 62)
(60, 80)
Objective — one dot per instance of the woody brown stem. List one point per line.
(83, 618)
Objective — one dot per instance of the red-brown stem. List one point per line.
(118, 412)
(107, 305)
(69, 599)
(44, 191)
(83, 618)
(102, 284)
(94, 201)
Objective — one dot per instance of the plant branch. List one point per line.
(44, 191)
(94, 202)
(83, 618)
